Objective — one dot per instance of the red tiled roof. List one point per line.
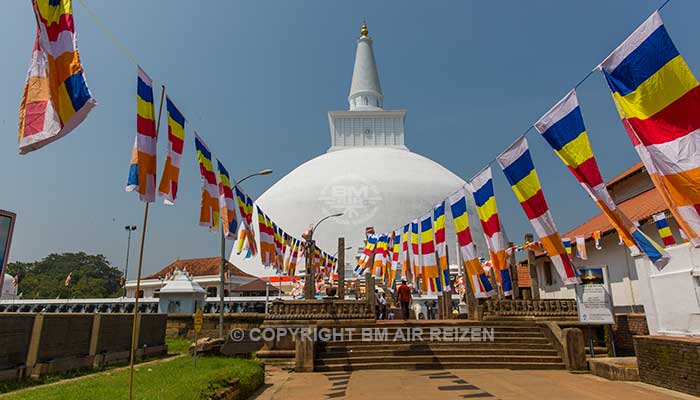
(637, 208)
(200, 267)
(257, 285)
(624, 174)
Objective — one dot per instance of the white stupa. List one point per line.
(368, 174)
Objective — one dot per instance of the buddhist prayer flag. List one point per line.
(596, 239)
(563, 128)
(658, 99)
(481, 285)
(581, 247)
(176, 140)
(395, 252)
(56, 97)
(431, 275)
(367, 254)
(294, 258)
(567, 246)
(380, 255)
(415, 249)
(246, 235)
(227, 205)
(406, 255)
(209, 211)
(485, 199)
(520, 172)
(664, 230)
(440, 244)
(142, 171)
(267, 244)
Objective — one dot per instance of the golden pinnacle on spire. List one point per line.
(364, 31)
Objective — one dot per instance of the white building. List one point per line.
(9, 291)
(202, 271)
(635, 195)
(368, 174)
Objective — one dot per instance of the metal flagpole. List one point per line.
(221, 287)
(138, 275)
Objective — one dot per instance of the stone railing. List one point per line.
(319, 310)
(544, 308)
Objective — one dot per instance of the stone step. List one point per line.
(526, 341)
(501, 329)
(442, 366)
(427, 359)
(436, 351)
(409, 346)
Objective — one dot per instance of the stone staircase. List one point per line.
(515, 345)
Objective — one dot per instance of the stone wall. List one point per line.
(64, 336)
(626, 327)
(182, 325)
(670, 362)
(39, 344)
(15, 332)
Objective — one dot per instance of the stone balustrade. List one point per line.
(544, 308)
(330, 309)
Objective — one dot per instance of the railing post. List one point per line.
(341, 268)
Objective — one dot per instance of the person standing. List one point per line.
(404, 294)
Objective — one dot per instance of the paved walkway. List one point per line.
(454, 384)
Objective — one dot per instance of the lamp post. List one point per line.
(222, 276)
(309, 289)
(129, 229)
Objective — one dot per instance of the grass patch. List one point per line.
(178, 345)
(175, 346)
(176, 379)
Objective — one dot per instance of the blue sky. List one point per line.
(257, 78)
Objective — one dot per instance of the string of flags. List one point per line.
(653, 89)
(658, 99)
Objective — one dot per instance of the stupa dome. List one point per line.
(368, 174)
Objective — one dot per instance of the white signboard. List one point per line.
(593, 297)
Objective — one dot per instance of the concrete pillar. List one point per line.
(532, 265)
(574, 349)
(34, 343)
(369, 290)
(341, 268)
(304, 354)
(310, 276)
(94, 338)
(513, 267)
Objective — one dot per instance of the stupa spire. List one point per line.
(365, 90)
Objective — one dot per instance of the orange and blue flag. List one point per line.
(658, 99)
(209, 210)
(563, 128)
(519, 170)
(176, 140)
(441, 244)
(431, 281)
(481, 286)
(56, 97)
(485, 199)
(227, 204)
(142, 170)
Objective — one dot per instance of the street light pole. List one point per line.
(309, 288)
(222, 275)
(129, 229)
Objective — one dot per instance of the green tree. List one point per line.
(91, 276)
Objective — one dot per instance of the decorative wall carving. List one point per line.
(319, 310)
(534, 308)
